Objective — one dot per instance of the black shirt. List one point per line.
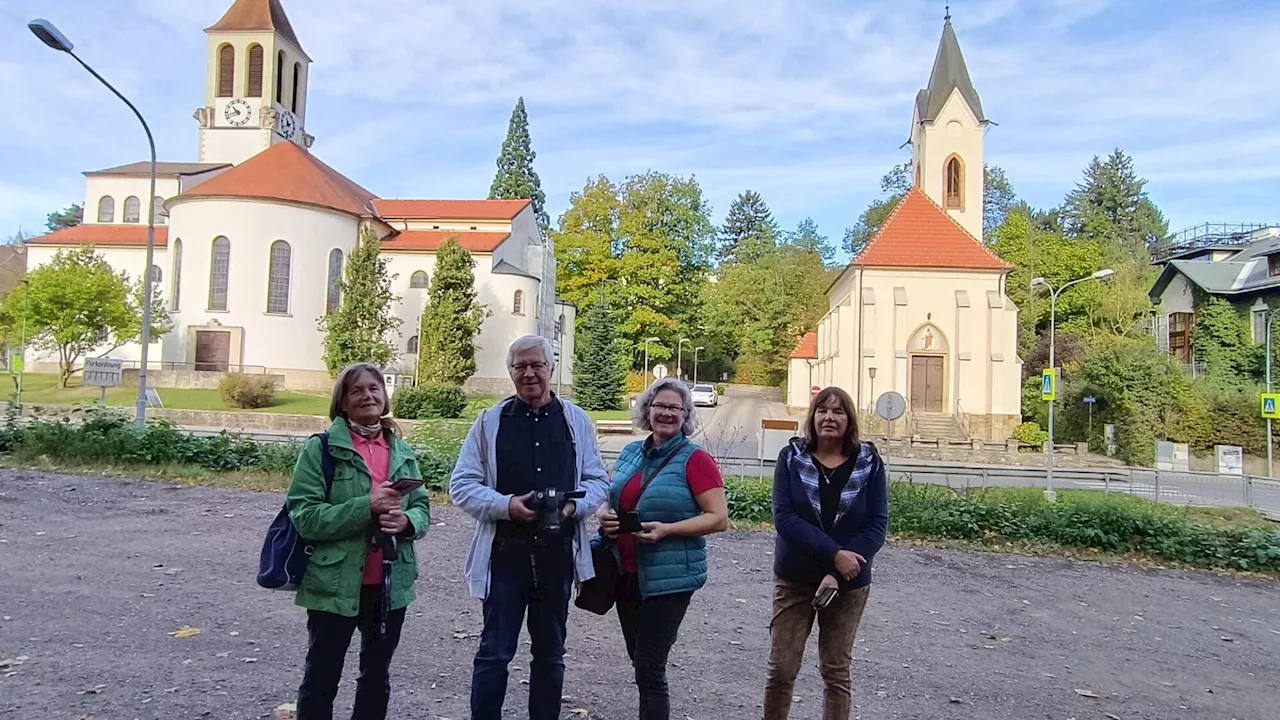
(534, 451)
(831, 482)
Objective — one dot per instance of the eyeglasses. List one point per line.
(536, 367)
(667, 408)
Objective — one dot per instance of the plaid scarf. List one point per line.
(809, 476)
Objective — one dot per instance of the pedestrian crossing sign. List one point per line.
(1271, 405)
(1048, 385)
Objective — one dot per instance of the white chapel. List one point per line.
(251, 238)
(922, 309)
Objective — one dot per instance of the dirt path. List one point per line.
(96, 572)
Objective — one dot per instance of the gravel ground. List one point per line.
(97, 572)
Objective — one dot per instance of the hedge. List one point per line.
(1113, 523)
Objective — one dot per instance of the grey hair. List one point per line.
(640, 413)
(345, 377)
(529, 342)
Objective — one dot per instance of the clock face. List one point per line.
(238, 112)
(286, 125)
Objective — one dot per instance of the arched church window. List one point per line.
(278, 278)
(418, 280)
(157, 210)
(175, 292)
(953, 183)
(226, 71)
(132, 209)
(297, 82)
(254, 87)
(219, 274)
(106, 209)
(333, 296)
(280, 78)
(412, 348)
(517, 303)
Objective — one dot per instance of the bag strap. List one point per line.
(326, 463)
(644, 481)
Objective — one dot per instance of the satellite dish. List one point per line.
(891, 406)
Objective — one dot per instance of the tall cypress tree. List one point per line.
(359, 329)
(749, 230)
(516, 179)
(451, 320)
(599, 374)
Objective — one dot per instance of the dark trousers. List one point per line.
(650, 628)
(524, 572)
(328, 636)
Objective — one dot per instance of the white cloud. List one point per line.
(804, 100)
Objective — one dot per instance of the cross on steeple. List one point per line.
(947, 17)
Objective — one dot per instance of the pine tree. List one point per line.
(1110, 206)
(451, 320)
(65, 218)
(516, 179)
(360, 329)
(599, 372)
(749, 230)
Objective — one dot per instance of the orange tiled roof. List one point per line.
(433, 239)
(287, 172)
(807, 348)
(451, 209)
(104, 236)
(247, 15)
(919, 233)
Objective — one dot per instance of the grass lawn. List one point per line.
(38, 389)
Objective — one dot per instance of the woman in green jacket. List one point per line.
(343, 587)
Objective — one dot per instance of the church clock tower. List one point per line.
(947, 132)
(256, 84)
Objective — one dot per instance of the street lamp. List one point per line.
(695, 363)
(646, 358)
(51, 36)
(680, 357)
(871, 371)
(1040, 282)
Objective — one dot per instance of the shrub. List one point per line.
(241, 390)
(750, 499)
(719, 388)
(1029, 433)
(429, 401)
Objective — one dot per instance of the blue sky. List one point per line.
(805, 101)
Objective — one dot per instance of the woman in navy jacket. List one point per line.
(831, 513)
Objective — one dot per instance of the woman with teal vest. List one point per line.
(675, 488)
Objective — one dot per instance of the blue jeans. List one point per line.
(524, 573)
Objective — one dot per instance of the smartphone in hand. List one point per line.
(404, 486)
(824, 598)
(629, 522)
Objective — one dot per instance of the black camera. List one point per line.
(548, 504)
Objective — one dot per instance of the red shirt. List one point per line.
(700, 472)
(377, 456)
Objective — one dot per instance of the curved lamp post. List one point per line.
(1053, 317)
(51, 36)
(680, 357)
(646, 358)
(695, 363)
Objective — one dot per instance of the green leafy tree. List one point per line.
(361, 328)
(807, 239)
(451, 320)
(648, 243)
(516, 179)
(76, 304)
(599, 370)
(65, 218)
(998, 198)
(749, 230)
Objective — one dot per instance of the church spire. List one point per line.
(949, 74)
(257, 15)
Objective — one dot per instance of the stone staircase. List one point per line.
(933, 426)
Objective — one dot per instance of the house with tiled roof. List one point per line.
(251, 239)
(922, 309)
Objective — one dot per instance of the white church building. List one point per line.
(251, 239)
(922, 309)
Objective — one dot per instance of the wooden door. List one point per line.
(213, 350)
(926, 383)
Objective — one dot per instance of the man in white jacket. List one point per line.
(526, 444)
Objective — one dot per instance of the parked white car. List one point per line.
(705, 396)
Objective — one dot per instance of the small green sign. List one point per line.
(1048, 385)
(1271, 405)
